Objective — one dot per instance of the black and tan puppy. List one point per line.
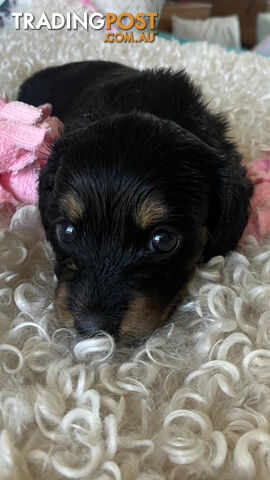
(142, 185)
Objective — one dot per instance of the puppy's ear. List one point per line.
(229, 206)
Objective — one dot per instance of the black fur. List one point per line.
(131, 136)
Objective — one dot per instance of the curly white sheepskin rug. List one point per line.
(194, 401)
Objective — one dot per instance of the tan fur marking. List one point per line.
(145, 315)
(150, 212)
(60, 303)
(204, 240)
(204, 237)
(142, 318)
(72, 206)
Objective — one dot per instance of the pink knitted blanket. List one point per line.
(259, 219)
(26, 133)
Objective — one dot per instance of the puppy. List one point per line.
(143, 184)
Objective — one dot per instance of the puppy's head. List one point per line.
(130, 205)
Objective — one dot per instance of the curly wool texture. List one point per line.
(193, 401)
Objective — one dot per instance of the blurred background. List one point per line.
(235, 24)
(232, 23)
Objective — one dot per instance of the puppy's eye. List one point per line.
(65, 232)
(165, 240)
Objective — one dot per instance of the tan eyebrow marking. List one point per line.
(72, 206)
(149, 212)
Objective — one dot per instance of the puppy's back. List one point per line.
(63, 85)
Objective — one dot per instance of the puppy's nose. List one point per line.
(93, 324)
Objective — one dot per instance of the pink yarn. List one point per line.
(259, 220)
(93, 9)
(90, 5)
(26, 133)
